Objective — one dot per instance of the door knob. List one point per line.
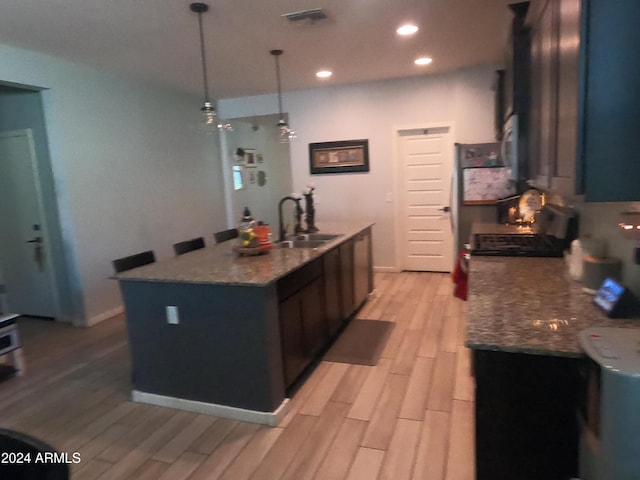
(445, 209)
(38, 253)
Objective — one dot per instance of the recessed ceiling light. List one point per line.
(407, 29)
(423, 61)
(324, 74)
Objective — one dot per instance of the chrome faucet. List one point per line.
(298, 216)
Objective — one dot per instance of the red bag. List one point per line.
(459, 277)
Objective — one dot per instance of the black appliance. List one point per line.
(517, 245)
(549, 236)
(472, 161)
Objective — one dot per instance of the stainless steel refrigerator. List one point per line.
(480, 179)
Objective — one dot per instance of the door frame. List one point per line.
(397, 183)
(44, 221)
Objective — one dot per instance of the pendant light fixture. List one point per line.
(210, 123)
(286, 134)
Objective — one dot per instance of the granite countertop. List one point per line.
(219, 264)
(530, 305)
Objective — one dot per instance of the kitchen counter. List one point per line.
(220, 265)
(217, 333)
(530, 305)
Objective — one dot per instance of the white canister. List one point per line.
(576, 260)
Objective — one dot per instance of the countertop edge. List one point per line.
(314, 253)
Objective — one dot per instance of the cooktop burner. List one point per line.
(524, 245)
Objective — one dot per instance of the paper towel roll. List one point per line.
(577, 260)
(595, 270)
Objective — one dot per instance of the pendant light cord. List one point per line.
(204, 59)
(276, 54)
(279, 88)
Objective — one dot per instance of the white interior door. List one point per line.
(426, 167)
(25, 266)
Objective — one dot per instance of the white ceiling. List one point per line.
(157, 40)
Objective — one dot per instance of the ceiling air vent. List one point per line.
(311, 16)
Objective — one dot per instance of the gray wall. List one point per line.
(374, 111)
(131, 171)
(19, 110)
(260, 133)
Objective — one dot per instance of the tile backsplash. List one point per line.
(600, 221)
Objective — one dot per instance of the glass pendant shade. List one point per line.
(209, 122)
(285, 133)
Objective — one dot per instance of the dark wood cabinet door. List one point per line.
(346, 278)
(294, 357)
(314, 321)
(526, 426)
(362, 267)
(548, 92)
(333, 290)
(536, 170)
(563, 178)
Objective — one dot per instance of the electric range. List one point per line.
(517, 245)
(549, 236)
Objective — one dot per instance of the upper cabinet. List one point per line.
(555, 57)
(516, 73)
(585, 105)
(513, 96)
(612, 101)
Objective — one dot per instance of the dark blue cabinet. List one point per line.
(585, 98)
(611, 158)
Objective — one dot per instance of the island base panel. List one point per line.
(225, 350)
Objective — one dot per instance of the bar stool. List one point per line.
(132, 261)
(226, 235)
(10, 341)
(188, 245)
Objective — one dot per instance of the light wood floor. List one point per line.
(409, 417)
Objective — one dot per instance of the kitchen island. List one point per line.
(524, 316)
(214, 332)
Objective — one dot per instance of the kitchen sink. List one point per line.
(301, 243)
(318, 236)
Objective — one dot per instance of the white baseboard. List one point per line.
(265, 418)
(91, 321)
(386, 269)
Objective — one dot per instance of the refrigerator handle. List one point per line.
(448, 209)
(503, 147)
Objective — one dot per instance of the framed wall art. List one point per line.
(249, 157)
(339, 157)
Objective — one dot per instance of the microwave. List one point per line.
(608, 406)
